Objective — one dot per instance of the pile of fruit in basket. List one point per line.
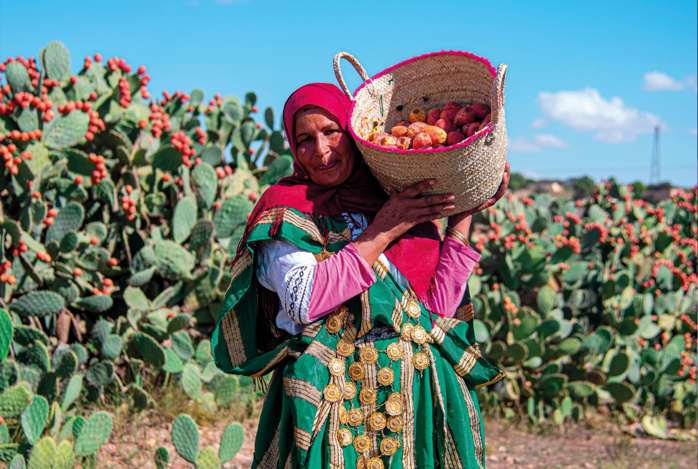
(436, 128)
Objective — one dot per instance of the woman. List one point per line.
(354, 302)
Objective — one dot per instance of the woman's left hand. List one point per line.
(461, 221)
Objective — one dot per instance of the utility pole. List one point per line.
(654, 167)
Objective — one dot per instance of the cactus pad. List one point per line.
(14, 400)
(162, 458)
(208, 459)
(141, 278)
(280, 167)
(173, 261)
(191, 380)
(111, 347)
(101, 330)
(174, 364)
(185, 436)
(141, 399)
(205, 178)
(231, 442)
(177, 323)
(167, 158)
(6, 332)
(68, 364)
(18, 77)
(69, 242)
(100, 374)
(64, 456)
(203, 352)
(38, 303)
(55, 60)
(182, 346)
(69, 218)
(184, 219)
(37, 355)
(34, 419)
(66, 131)
(43, 454)
(231, 215)
(93, 434)
(72, 392)
(225, 389)
(201, 234)
(17, 462)
(95, 303)
(149, 349)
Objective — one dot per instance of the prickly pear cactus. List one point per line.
(185, 436)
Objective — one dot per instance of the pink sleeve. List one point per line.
(337, 279)
(456, 263)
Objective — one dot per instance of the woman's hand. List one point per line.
(461, 221)
(399, 213)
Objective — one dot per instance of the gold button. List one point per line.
(355, 417)
(419, 335)
(367, 396)
(336, 367)
(332, 393)
(420, 360)
(374, 463)
(395, 424)
(368, 355)
(413, 309)
(361, 462)
(394, 406)
(356, 371)
(385, 376)
(344, 436)
(406, 331)
(394, 351)
(342, 415)
(349, 390)
(362, 443)
(389, 446)
(345, 348)
(333, 324)
(377, 421)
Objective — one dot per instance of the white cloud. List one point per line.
(539, 123)
(659, 81)
(586, 110)
(536, 144)
(693, 131)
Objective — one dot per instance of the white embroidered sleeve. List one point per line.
(288, 271)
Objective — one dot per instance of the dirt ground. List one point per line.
(133, 443)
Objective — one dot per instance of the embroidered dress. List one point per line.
(374, 384)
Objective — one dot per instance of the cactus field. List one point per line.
(119, 216)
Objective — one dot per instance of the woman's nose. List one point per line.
(321, 145)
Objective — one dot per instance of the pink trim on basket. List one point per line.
(464, 143)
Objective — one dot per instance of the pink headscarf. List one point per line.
(415, 254)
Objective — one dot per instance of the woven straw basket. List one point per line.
(471, 170)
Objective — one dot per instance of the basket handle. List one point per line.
(338, 72)
(498, 91)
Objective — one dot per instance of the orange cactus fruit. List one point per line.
(386, 140)
(433, 116)
(373, 138)
(437, 135)
(415, 128)
(418, 115)
(404, 143)
(399, 131)
(421, 140)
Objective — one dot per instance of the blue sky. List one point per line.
(586, 85)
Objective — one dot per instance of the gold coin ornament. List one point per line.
(389, 446)
(385, 376)
(395, 424)
(419, 335)
(413, 309)
(374, 463)
(362, 443)
(367, 396)
(349, 390)
(332, 393)
(368, 355)
(333, 324)
(394, 407)
(406, 331)
(420, 360)
(377, 421)
(361, 462)
(345, 348)
(342, 415)
(355, 417)
(344, 436)
(394, 351)
(356, 371)
(396, 396)
(336, 367)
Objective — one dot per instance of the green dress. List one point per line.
(374, 384)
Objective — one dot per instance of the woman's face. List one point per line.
(323, 148)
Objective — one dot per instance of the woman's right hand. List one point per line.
(399, 213)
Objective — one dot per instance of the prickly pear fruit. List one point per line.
(386, 140)
(421, 140)
(452, 105)
(414, 129)
(481, 110)
(465, 116)
(437, 135)
(403, 143)
(445, 125)
(399, 131)
(418, 115)
(373, 138)
(433, 116)
(470, 129)
(449, 114)
(454, 137)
